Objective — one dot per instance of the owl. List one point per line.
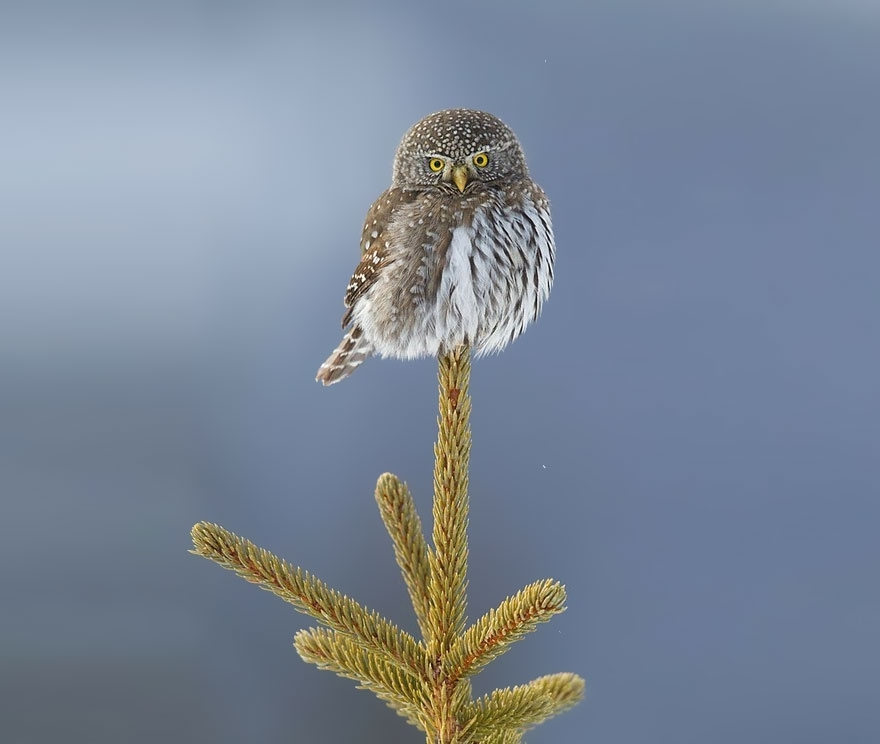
(459, 250)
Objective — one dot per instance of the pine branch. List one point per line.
(410, 548)
(513, 708)
(452, 457)
(308, 594)
(499, 629)
(427, 683)
(564, 688)
(524, 706)
(404, 691)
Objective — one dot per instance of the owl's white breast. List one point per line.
(457, 306)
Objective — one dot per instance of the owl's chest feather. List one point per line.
(444, 264)
(457, 300)
(452, 274)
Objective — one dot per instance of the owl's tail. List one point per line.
(347, 357)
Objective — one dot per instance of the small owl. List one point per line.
(458, 251)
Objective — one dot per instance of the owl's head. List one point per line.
(459, 149)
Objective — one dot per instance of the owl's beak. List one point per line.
(460, 176)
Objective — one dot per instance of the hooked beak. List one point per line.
(460, 176)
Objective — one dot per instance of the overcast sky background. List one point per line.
(689, 438)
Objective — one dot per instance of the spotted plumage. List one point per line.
(458, 250)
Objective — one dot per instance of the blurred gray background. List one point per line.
(689, 438)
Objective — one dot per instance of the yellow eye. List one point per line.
(481, 160)
(435, 164)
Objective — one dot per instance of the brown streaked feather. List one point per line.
(374, 250)
(346, 358)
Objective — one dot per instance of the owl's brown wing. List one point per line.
(374, 248)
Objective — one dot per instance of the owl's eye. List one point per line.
(435, 164)
(481, 160)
